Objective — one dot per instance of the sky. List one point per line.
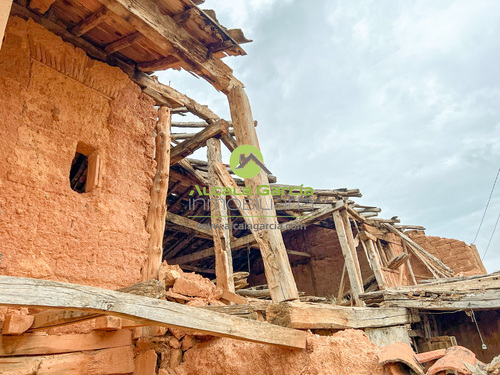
(400, 99)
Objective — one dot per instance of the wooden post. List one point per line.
(155, 221)
(220, 222)
(350, 257)
(5, 6)
(277, 267)
(375, 262)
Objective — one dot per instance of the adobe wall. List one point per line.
(53, 97)
(460, 257)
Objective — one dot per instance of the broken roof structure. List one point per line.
(105, 214)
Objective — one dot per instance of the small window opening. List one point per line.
(84, 173)
(78, 173)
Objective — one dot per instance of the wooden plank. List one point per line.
(375, 262)
(95, 19)
(123, 42)
(233, 297)
(103, 362)
(277, 267)
(350, 257)
(57, 344)
(318, 316)
(4, 17)
(342, 285)
(16, 291)
(41, 6)
(161, 64)
(162, 30)
(16, 324)
(157, 211)
(189, 146)
(191, 225)
(219, 221)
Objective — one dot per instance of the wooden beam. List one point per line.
(16, 291)
(162, 30)
(52, 344)
(4, 17)
(220, 222)
(155, 221)
(318, 316)
(190, 225)
(124, 42)
(161, 64)
(189, 146)
(375, 262)
(41, 6)
(277, 267)
(350, 256)
(104, 362)
(94, 20)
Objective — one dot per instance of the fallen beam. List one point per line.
(17, 291)
(57, 344)
(316, 316)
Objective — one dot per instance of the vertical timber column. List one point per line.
(5, 6)
(155, 222)
(219, 221)
(278, 272)
(344, 234)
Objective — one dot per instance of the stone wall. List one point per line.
(53, 100)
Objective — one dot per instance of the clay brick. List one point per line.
(175, 357)
(145, 363)
(188, 342)
(16, 324)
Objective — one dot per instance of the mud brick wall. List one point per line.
(53, 97)
(460, 257)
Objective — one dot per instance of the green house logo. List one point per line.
(247, 161)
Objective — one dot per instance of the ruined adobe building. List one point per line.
(90, 163)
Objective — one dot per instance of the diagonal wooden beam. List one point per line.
(190, 225)
(189, 146)
(17, 291)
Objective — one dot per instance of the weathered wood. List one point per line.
(4, 17)
(162, 30)
(41, 6)
(317, 316)
(103, 362)
(57, 344)
(342, 285)
(479, 292)
(277, 267)
(220, 222)
(191, 145)
(190, 225)
(57, 317)
(16, 291)
(161, 64)
(375, 262)
(155, 221)
(124, 42)
(95, 19)
(350, 257)
(233, 297)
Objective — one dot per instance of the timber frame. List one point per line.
(157, 35)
